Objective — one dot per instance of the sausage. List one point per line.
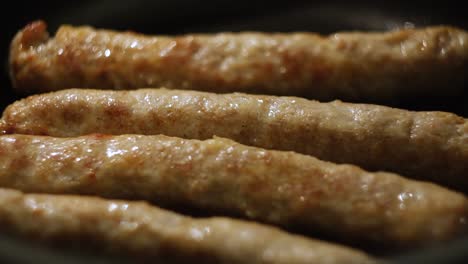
(146, 232)
(429, 146)
(380, 66)
(219, 175)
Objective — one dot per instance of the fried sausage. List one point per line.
(220, 175)
(147, 232)
(424, 145)
(351, 66)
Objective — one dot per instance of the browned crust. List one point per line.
(283, 188)
(352, 66)
(430, 146)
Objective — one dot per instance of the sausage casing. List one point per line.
(429, 146)
(351, 66)
(146, 232)
(282, 188)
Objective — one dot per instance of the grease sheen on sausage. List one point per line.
(348, 65)
(144, 232)
(430, 146)
(282, 188)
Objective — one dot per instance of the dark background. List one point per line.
(186, 16)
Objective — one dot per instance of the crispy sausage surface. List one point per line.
(424, 145)
(283, 188)
(352, 66)
(146, 232)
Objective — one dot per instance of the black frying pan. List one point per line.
(185, 16)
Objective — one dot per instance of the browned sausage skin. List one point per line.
(351, 66)
(282, 188)
(145, 232)
(429, 146)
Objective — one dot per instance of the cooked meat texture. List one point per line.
(220, 175)
(147, 232)
(430, 146)
(346, 65)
